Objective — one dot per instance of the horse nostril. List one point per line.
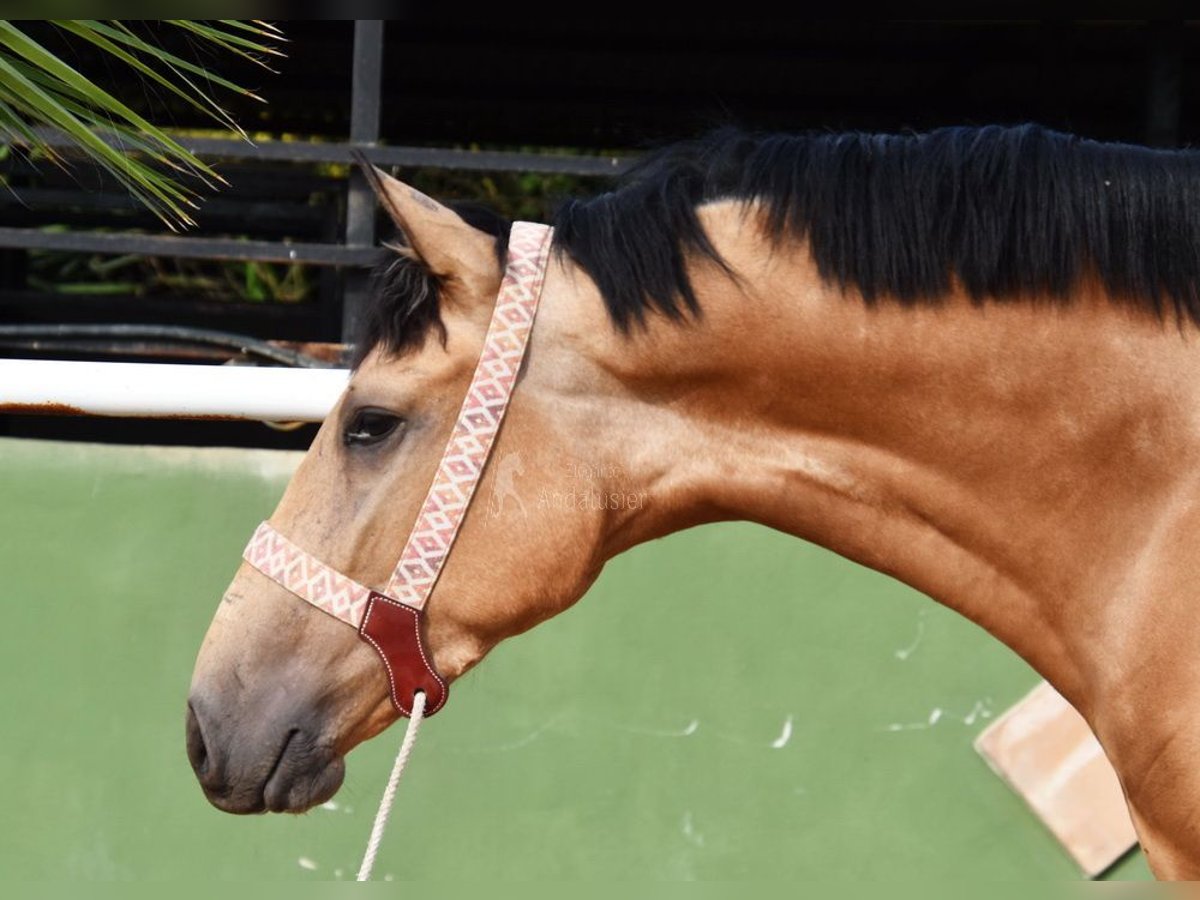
(197, 750)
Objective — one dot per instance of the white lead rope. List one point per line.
(389, 793)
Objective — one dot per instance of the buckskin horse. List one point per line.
(968, 359)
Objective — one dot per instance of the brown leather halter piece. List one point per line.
(390, 620)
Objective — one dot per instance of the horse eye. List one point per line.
(370, 426)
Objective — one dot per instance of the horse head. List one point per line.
(281, 691)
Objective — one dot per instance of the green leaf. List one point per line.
(158, 193)
(196, 98)
(119, 31)
(38, 88)
(231, 42)
(14, 39)
(257, 27)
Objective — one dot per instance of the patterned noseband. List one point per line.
(390, 620)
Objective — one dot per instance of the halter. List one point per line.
(390, 621)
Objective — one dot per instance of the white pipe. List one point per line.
(153, 390)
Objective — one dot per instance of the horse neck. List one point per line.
(1025, 463)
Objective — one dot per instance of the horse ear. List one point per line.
(447, 245)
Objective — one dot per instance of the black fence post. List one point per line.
(366, 83)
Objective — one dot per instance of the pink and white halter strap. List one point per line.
(390, 621)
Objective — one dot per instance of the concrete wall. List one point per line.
(791, 714)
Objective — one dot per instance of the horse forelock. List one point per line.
(405, 296)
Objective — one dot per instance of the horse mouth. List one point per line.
(303, 776)
(274, 788)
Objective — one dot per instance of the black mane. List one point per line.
(1004, 213)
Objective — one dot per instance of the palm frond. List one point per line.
(38, 89)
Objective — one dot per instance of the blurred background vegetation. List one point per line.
(124, 94)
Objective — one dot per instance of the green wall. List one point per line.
(777, 720)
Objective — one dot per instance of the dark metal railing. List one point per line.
(355, 251)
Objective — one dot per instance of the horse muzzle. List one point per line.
(278, 763)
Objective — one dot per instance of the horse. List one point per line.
(966, 358)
